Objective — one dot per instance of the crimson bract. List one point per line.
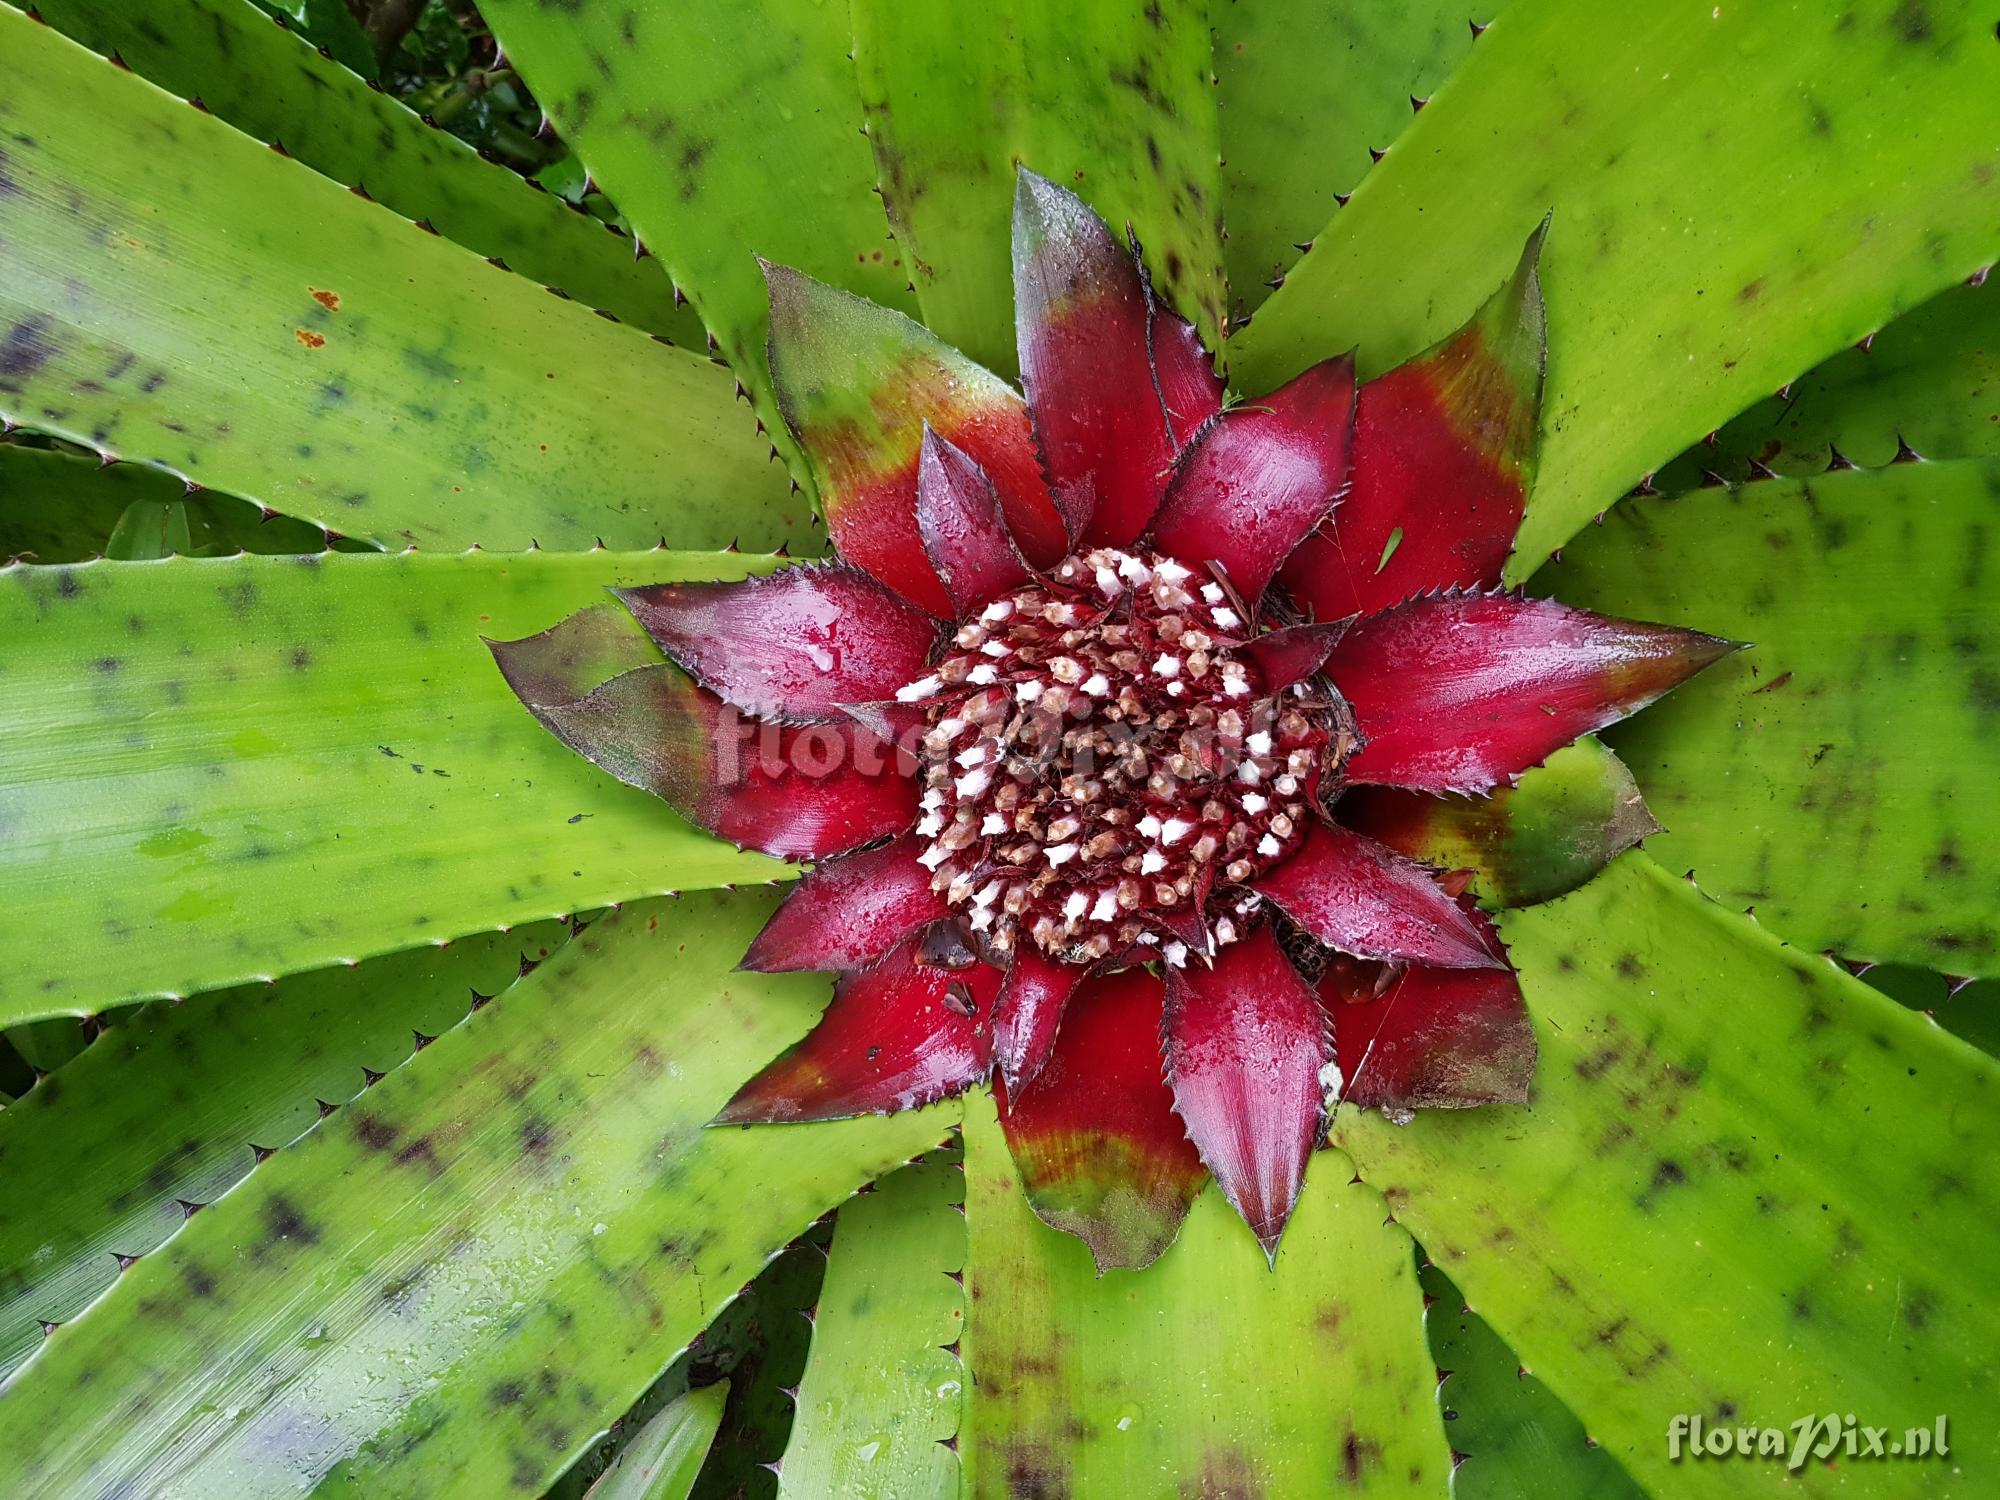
(1067, 726)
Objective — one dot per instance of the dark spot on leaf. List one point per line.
(284, 1221)
(24, 350)
(1918, 1308)
(1357, 1455)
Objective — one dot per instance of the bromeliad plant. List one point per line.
(1064, 743)
(1191, 782)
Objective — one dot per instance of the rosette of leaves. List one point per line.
(363, 1173)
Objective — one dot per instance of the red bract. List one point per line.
(1068, 725)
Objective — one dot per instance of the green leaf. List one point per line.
(1565, 820)
(1747, 1188)
(1206, 1373)
(757, 1343)
(884, 1383)
(450, 1288)
(760, 1341)
(214, 771)
(48, 1045)
(329, 24)
(1971, 1011)
(1930, 380)
(152, 529)
(58, 507)
(1090, 96)
(1306, 93)
(1519, 1442)
(1686, 276)
(172, 1109)
(241, 321)
(663, 1461)
(1838, 776)
(724, 133)
(273, 84)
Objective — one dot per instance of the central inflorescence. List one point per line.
(1103, 769)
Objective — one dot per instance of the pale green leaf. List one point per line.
(241, 321)
(884, 1384)
(1209, 1372)
(1838, 775)
(1738, 191)
(724, 132)
(170, 1110)
(273, 84)
(1746, 1188)
(220, 770)
(1929, 383)
(1306, 93)
(448, 1289)
(1096, 97)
